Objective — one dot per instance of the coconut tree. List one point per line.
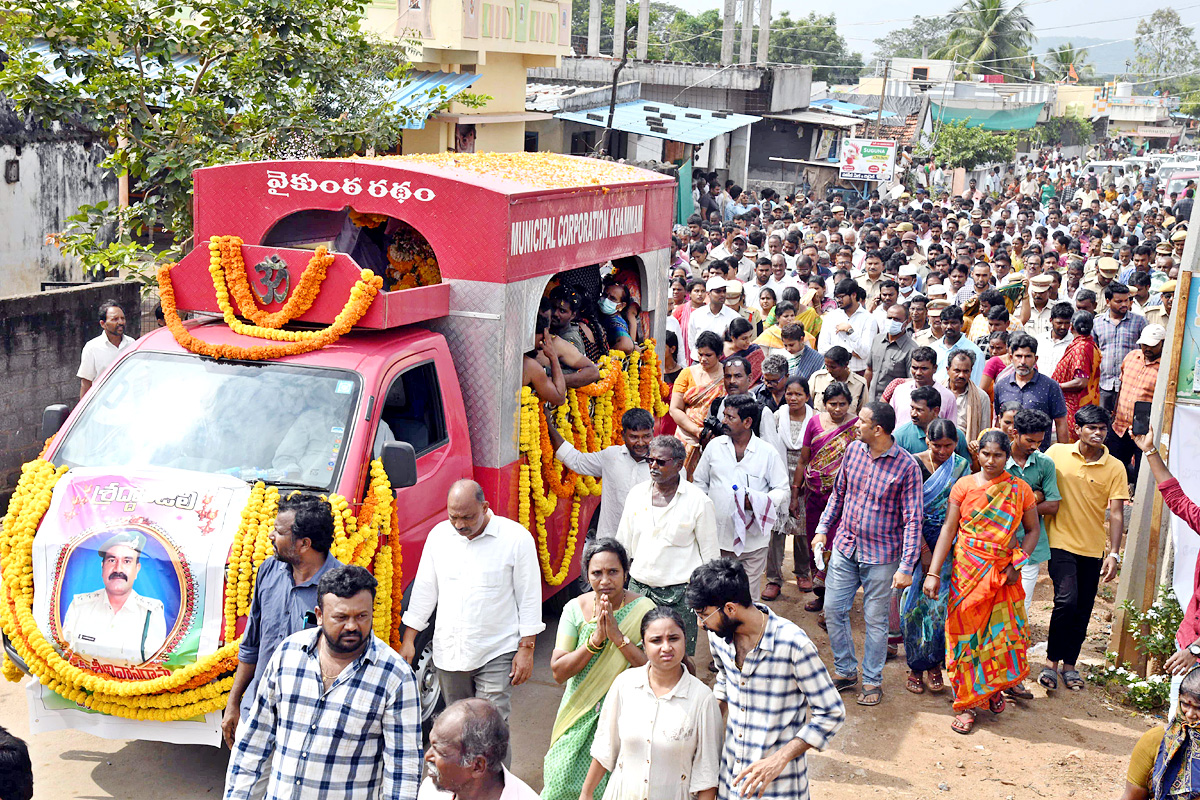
(1060, 60)
(989, 37)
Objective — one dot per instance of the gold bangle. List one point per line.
(593, 650)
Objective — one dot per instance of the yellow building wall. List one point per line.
(498, 40)
(1080, 100)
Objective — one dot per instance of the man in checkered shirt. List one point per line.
(778, 699)
(336, 713)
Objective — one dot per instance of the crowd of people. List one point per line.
(932, 396)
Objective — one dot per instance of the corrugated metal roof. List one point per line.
(819, 118)
(416, 92)
(664, 121)
(849, 109)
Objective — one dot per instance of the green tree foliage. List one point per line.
(989, 37)
(1164, 46)
(177, 88)
(1059, 60)
(959, 144)
(1066, 130)
(926, 34)
(814, 40)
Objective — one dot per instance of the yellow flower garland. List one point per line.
(203, 686)
(591, 430)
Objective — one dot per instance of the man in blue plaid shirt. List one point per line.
(336, 712)
(778, 699)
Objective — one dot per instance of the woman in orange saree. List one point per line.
(1078, 372)
(986, 632)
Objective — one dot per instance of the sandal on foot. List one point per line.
(814, 605)
(997, 703)
(1020, 692)
(843, 684)
(1048, 678)
(1072, 680)
(963, 723)
(822, 624)
(935, 681)
(915, 684)
(871, 696)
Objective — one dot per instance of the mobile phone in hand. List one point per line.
(1141, 418)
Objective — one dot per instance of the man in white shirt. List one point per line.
(619, 467)
(1038, 323)
(480, 572)
(466, 753)
(1051, 348)
(714, 317)
(102, 351)
(668, 527)
(849, 325)
(741, 465)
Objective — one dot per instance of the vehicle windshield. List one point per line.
(272, 422)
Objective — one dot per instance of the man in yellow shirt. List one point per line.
(1090, 481)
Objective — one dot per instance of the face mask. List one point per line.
(895, 327)
(607, 306)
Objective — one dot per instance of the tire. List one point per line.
(429, 688)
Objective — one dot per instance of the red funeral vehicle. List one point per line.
(438, 367)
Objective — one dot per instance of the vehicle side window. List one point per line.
(412, 411)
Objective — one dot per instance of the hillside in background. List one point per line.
(1108, 59)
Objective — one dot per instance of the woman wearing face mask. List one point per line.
(612, 304)
(986, 633)
(660, 730)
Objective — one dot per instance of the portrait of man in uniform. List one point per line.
(116, 624)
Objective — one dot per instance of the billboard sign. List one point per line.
(867, 159)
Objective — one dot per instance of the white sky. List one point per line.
(866, 20)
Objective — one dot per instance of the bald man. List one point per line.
(465, 756)
(479, 572)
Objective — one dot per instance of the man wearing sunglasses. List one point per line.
(668, 527)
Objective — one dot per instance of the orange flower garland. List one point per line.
(226, 259)
(361, 297)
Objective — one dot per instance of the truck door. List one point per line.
(412, 410)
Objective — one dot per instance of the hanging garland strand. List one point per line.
(591, 421)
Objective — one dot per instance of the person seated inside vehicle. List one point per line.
(542, 370)
(307, 453)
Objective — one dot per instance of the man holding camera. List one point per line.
(747, 481)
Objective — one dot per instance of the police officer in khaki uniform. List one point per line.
(116, 624)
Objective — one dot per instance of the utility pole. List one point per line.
(612, 101)
(887, 66)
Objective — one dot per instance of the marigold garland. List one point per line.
(362, 294)
(591, 421)
(203, 686)
(228, 269)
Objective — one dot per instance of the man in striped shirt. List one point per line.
(874, 514)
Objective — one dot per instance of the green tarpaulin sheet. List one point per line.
(1020, 118)
(684, 207)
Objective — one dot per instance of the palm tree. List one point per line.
(1060, 60)
(990, 38)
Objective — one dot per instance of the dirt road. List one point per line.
(1066, 746)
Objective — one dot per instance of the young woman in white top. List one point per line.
(659, 723)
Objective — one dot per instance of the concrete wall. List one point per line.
(41, 338)
(56, 177)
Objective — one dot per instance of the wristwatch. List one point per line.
(624, 643)
(1115, 555)
(1194, 649)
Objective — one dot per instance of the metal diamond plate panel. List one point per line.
(490, 326)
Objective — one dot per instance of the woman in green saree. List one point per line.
(599, 636)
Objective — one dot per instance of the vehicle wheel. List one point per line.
(429, 688)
